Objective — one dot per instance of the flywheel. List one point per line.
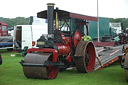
(76, 38)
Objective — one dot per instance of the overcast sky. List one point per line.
(26, 8)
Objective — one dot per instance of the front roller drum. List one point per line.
(126, 65)
(85, 57)
(37, 71)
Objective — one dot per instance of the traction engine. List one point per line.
(62, 47)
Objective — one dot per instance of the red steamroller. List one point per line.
(62, 47)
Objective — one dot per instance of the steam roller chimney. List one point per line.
(50, 13)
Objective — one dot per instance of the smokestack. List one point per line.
(50, 9)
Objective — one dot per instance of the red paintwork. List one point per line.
(52, 71)
(77, 36)
(48, 50)
(104, 43)
(68, 58)
(83, 17)
(65, 49)
(65, 46)
(3, 33)
(64, 14)
(66, 40)
(110, 62)
(91, 52)
(33, 43)
(115, 59)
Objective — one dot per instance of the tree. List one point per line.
(15, 21)
(122, 20)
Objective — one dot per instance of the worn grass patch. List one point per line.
(11, 74)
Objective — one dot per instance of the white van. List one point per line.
(27, 35)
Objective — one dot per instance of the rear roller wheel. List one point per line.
(45, 72)
(126, 70)
(85, 57)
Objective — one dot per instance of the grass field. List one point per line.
(11, 74)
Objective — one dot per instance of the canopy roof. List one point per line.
(66, 15)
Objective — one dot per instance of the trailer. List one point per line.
(109, 55)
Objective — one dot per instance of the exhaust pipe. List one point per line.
(50, 13)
